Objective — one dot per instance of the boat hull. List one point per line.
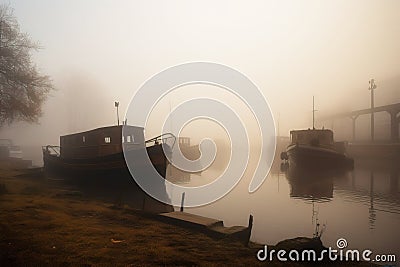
(317, 157)
(113, 164)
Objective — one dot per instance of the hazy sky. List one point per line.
(100, 51)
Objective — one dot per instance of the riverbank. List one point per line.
(44, 222)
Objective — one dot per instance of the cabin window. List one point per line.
(130, 138)
(123, 139)
(107, 140)
(83, 139)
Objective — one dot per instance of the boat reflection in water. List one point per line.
(314, 185)
(311, 183)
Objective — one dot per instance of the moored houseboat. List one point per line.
(100, 151)
(9, 150)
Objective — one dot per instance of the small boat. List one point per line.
(316, 148)
(9, 150)
(191, 152)
(100, 151)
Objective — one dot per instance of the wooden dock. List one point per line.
(209, 226)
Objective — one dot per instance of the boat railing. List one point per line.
(166, 138)
(51, 150)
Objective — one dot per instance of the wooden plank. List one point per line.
(192, 219)
(229, 230)
(212, 227)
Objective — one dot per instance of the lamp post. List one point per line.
(313, 114)
(117, 105)
(1, 22)
(313, 111)
(372, 87)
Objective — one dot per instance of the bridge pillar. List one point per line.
(394, 126)
(353, 118)
(394, 180)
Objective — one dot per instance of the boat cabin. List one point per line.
(101, 141)
(312, 137)
(8, 149)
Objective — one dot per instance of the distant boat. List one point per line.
(9, 150)
(100, 151)
(316, 148)
(190, 152)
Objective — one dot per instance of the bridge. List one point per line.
(393, 110)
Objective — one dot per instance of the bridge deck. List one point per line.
(387, 108)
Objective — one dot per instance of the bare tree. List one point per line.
(23, 89)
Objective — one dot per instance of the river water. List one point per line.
(361, 205)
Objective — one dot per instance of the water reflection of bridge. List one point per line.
(393, 110)
(372, 182)
(375, 183)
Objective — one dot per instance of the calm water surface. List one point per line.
(362, 206)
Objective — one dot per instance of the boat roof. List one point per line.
(5, 141)
(104, 129)
(311, 130)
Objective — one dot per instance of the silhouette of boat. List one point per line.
(100, 151)
(316, 148)
(12, 154)
(9, 150)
